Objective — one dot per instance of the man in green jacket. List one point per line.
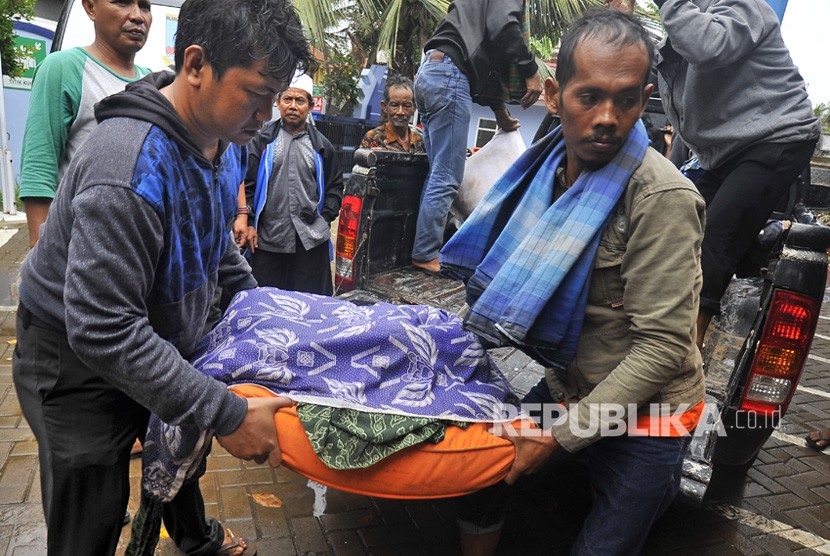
(632, 380)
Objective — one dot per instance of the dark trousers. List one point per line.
(184, 518)
(85, 428)
(740, 196)
(303, 271)
(634, 480)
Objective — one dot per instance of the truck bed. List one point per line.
(411, 286)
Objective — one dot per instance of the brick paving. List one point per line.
(782, 505)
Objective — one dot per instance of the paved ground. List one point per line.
(781, 507)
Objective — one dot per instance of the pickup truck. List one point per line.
(754, 353)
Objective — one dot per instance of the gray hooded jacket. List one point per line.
(727, 80)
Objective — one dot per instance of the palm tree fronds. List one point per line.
(317, 17)
(389, 28)
(549, 18)
(394, 10)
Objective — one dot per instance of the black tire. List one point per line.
(728, 482)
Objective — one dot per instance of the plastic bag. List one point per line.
(484, 168)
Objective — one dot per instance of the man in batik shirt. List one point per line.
(398, 106)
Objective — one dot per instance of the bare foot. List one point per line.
(430, 266)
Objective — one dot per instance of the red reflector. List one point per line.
(790, 322)
(348, 227)
(347, 243)
(781, 352)
(350, 215)
(343, 284)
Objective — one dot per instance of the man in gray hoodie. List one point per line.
(731, 90)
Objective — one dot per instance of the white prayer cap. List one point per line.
(303, 82)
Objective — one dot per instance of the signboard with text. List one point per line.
(34, 51)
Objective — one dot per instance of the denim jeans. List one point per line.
(442, 94)
(634, 480)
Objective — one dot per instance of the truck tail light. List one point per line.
(781, 353)
(347, 234)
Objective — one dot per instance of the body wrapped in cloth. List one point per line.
(406, 364)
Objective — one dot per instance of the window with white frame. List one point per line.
(485, 131)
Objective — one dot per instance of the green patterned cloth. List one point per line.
(505, 84)
(515, 86)
(350, 439)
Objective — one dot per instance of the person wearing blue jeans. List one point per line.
(606, 234)
(466, 60)
(634, 480)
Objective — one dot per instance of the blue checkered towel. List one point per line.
(526, 260)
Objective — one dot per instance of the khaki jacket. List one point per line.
(637, 343)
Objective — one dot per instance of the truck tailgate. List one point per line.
(411, 286)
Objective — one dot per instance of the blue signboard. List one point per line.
(779, 6)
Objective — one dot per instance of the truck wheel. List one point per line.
(734, 469)
(728, 482)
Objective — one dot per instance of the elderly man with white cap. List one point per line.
(293, 191)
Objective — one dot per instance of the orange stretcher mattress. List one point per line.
(465, 461)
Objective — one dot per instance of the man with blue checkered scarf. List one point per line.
(586, 255)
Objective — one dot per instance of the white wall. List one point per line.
(530, 119)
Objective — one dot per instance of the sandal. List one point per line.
(236, 542)
(814, 444)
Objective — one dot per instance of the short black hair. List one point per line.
(397, 80)
(238, 33)
(614, 26)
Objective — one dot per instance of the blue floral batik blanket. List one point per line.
(410, 360)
